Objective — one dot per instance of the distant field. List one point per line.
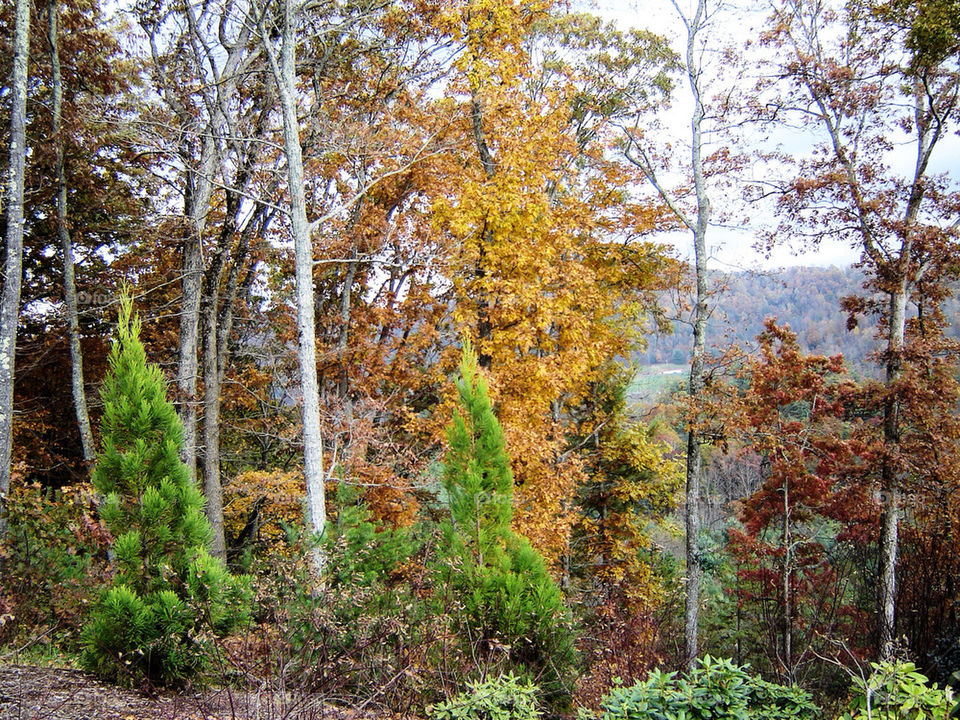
(652, 381)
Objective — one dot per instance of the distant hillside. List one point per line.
(805, 298)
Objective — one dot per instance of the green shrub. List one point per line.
(169, 597)
(360, 551)
(363, 630)
(896, 691)
(508, 609)
(54, 561)
(715, 690)
(505, 697)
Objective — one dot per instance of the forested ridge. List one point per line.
(324, 323)
(805, 298)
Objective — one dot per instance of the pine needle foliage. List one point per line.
(169, 597)
(510, 606)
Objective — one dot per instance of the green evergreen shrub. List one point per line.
(505, 697)
(716, 689)
(896, 691)
(169, 597)
(360, 551)
(509, 604)
(363, 630)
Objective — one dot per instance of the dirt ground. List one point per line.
(35, 693)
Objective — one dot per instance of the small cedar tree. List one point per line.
(509, 601)
(169, 597)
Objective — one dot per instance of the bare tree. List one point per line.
(198, 64)
(66, 243)
(281, 25)
(696, 220)
(10, 302)
(202, 56)
(285, 77)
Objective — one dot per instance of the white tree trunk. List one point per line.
(701, 313)
(66, 246)
(697, 223)
(10, 302)
(889, 529)
(284, 73)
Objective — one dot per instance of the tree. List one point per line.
(696, 218)
(533, 207)
(168, 591)
(633, 478)
(285, 77)
(107, 196)
(328, 39)
(793, 572)
(10, 302)
(202, 62)
(509, 599)
(66, 242)
(850, 77)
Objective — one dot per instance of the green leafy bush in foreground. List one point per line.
(505, 697)
(896, 691)
(169, 597)
(715, 690)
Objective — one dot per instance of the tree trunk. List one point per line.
(694, 471)
(285, 75)
(343, 383)
(928, 136)
(217, 321)
(484, 324)
(212, 488)
(701, 313)
(889, 529)
(196, 204)
(66, 244)
(10, 302)
(787, 617)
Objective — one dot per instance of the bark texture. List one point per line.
(66, 246)
(199, 189)
(284, 72)
(10, 301)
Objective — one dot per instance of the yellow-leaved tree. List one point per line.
(551, 276)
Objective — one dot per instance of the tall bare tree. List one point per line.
(285, 77)
(66, 243)
(695, 217)
(10, 302)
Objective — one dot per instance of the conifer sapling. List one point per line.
(169, 597)
(509, 598)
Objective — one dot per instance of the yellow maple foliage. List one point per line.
(545, 285)
(262, 502)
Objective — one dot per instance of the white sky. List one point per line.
(731, 248)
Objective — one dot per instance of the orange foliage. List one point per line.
(262, 503)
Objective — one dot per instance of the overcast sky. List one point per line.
(732, 247)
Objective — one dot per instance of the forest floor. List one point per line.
(43, 693)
